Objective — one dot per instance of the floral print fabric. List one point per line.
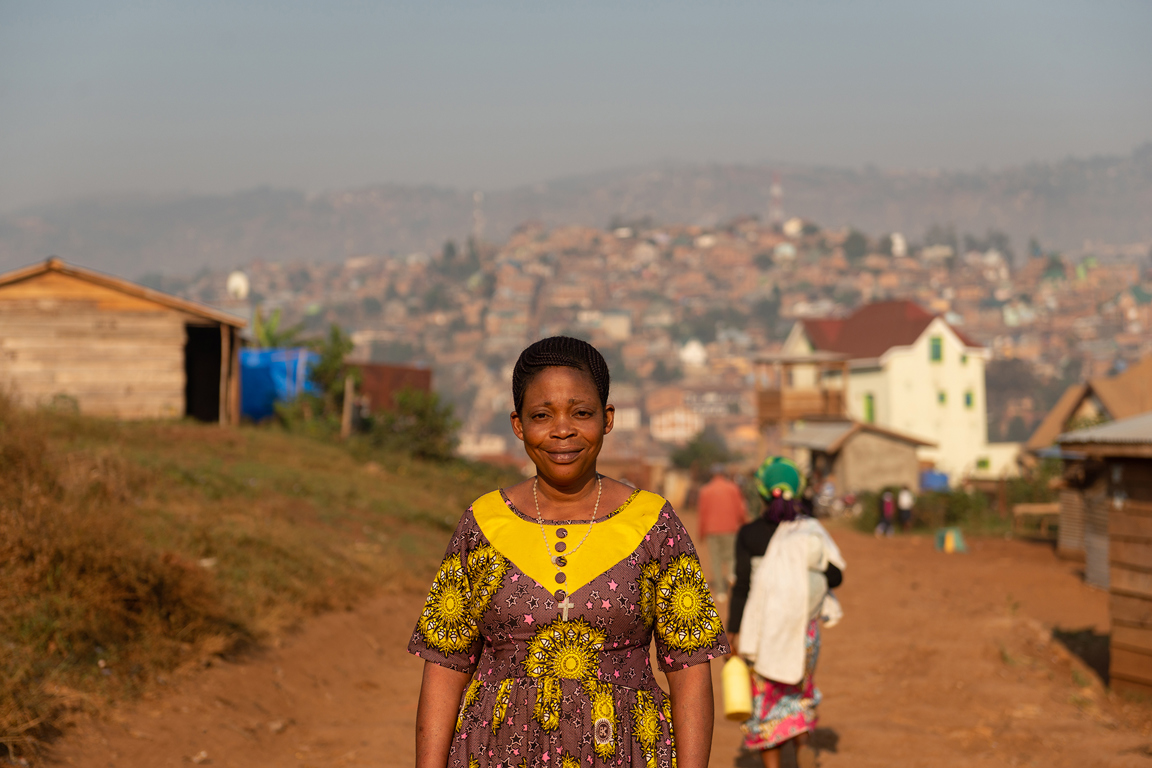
(581, 692)
(781, 711)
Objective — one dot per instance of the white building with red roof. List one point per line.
(912, 371)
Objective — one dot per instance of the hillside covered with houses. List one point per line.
(686, 314)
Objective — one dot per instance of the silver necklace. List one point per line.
(540, 519)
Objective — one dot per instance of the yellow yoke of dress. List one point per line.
(611, 539)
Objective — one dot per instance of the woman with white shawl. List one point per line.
(785, 564)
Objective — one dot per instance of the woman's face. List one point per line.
(562, 424)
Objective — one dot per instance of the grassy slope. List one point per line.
(130, 549)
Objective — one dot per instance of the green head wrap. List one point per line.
(779, 473)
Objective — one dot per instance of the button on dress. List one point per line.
(560, 667)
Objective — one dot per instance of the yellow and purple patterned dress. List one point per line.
(559, 651)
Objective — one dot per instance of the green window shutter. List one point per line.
(869, 408)
(936, 349)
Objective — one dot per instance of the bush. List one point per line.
(318, 415)
(421, 424)
(306, 414)
(80, 594)
(971, 511)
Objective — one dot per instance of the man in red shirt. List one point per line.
(722, 512)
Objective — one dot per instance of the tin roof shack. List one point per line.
(1096, 400)
(115, 348)
(1116, 461)
(857, 457)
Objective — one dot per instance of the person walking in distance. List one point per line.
(905, 501)
(722, 511)
(786, 563)
(887, 515)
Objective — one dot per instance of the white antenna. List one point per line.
(776, 203)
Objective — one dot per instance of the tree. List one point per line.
(702, 452)
(999, 241)
(1055, 269)
(269, 334)
(940, 235)
(1004, 381)
(766, 311)
(855, 246)
(885, 245)
(1017, 430)
(371, 305)
(1034, 249)
(329, 371)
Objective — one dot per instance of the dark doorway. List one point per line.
(202, 373)
(1094, 649)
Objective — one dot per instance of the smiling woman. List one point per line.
(536, 630)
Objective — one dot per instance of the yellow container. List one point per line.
(737, 683)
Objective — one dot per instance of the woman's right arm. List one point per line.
(834, 575)
(440, 693)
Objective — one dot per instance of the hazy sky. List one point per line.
(117, 96)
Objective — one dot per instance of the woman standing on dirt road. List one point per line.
(785, 564)
(536, 630)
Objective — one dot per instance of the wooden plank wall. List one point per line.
(1071, 536)
(1130, 554)
(1097, 512)
(117, 355)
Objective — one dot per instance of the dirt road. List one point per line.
(942, 660)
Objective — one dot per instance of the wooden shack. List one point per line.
(1117, 460)
(1083, 524)
(114, 348)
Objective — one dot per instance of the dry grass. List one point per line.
(127, 550)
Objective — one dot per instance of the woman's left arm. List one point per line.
(693, 714)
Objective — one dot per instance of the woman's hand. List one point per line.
(693, 714)
(733, 644)
(440, 693)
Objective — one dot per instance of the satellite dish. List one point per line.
(238, 285)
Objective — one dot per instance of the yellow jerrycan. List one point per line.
(737, 684)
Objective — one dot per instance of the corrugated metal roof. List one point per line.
(830, 436)
(819, 436)
(124, 286)
(1134, 429)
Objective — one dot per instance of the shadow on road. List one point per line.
(822, 740)
(1090, 647)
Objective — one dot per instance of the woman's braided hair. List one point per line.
(562, 351)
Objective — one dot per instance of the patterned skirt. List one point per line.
(780, 711)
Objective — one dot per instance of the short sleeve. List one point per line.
(448, 631)
(688, 628)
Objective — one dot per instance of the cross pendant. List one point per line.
(566, 605)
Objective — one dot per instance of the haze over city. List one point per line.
(127, 97)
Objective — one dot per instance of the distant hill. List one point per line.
(1102, 199)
